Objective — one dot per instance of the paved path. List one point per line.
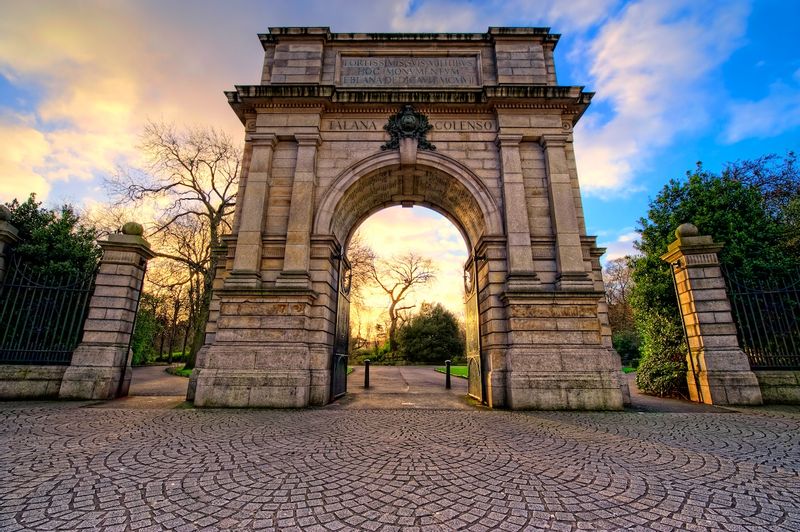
(70, 465)
(155, 381)
(404, 387)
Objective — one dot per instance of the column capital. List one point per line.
(691, 249)
(308, 139)
(554, 141)
(130, 239)
(508, 140)
(262, 139)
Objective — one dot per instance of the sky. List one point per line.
(676, 82)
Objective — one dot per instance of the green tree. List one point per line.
(431, 337)
(53, 241)
(734, 211)
(143, 343)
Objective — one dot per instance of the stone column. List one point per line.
(521, 275)
(572, 274)
(246, 272)
(8, 237)
(719, 372)
(296, 260)
(100, 367)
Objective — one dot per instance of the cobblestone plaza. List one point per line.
(69, 466)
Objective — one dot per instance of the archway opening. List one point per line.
(407, 311)
(439, 184)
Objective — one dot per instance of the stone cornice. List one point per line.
(277, 34)
(573, 100)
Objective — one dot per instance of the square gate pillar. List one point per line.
(101, 364)
(719, 371)
(8, 237)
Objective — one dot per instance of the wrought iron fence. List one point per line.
(41, 315)
(767, 316)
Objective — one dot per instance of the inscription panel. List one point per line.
(408, 71)
(361, 124)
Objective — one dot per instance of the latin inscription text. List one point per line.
(410, 71)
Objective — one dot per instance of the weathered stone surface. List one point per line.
(471, 125)
(781, 387)
(29, 382)
(719, 372)
(100, 366)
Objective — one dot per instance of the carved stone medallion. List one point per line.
(408, 124)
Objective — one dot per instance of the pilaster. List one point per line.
(100, 367)
(719, 372)
(521, 274)
(572, 274)
(246, 272)
(295, 272)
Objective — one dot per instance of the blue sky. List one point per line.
(676, 82)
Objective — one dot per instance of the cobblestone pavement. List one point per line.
(70, 465)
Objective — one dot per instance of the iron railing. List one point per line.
(767, 317)
(41, 315)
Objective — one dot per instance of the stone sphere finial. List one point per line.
(685, 230)
(132, 228)
(5, 213)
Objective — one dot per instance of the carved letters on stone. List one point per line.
(405, 71)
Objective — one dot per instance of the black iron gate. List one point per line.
(341, 341)
(475, 365)
(767, 316)
(41, 315)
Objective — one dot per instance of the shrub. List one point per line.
(431, 337)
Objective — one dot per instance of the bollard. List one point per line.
(447, 374)
(366, 374)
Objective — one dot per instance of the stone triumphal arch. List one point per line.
(474, 126)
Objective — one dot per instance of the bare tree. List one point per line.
(190, 177)
(618, 283)
(397, 277)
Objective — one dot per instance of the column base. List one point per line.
(574, 282)
(724, 388)
(299, 279)
(565, 390)
(243, 280)
(84, 382)
(523, 282)
(251, 388)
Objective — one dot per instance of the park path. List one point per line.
(404, 387)
(391, 387)
(154, 380)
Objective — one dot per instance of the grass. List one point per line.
(455, 371)
(628, 369)
(180, 371)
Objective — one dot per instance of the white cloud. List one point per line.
(22, 148)
(776, 113)
(396, 231)
(622, 246)
(651, 67)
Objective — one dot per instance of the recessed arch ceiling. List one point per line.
(417, 185)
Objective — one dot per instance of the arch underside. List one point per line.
(414, 185)
(434, 181)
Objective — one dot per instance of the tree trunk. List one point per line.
(201, 316)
